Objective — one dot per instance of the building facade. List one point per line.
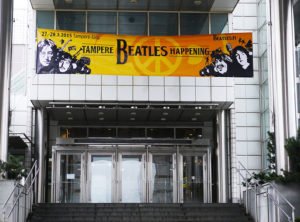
(116, 138)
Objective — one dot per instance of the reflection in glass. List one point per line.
(192, 179)
(162, 179)
(132, 23)
(132, 177)
(101, 179)
(45, 19)
(194, 23)
(70, 175)
(102, 22)
(163, 24)
(219, 23)
(73, 21)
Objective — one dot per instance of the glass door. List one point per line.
(69, 178)
(101, 178)
(162, 178)
(131, 178)
(193, 183)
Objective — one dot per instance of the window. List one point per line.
(219, 23)
(193, 23)
(102, 22)
(45, 19)
(163, 24)
(133, 23)
(74, 21)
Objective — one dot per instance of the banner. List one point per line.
(68, 52)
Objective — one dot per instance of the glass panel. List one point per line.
(101, 179)
(163, 24)
(168, 5)
(188, 133)
(70, 176)
(74, 21)
(45, 19)
(298, 59)
(131, 132)
(103, 4)
(160, 132)
(102, 22)
(75, 132)
(193, 179)
(132, 177)
(194, 24)
(133, 23)
(219, 23)
(162, 179)
(102, 132)
(132, 5)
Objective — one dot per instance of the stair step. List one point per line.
(120, 212)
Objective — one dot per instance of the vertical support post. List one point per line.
(221, 152)
(40, 120)
(6, 23)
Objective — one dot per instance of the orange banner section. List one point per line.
(68, 52)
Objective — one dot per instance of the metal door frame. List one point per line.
(117, 151)
(55, 183)
(88, 173)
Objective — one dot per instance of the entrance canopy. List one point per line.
(146, 5)
(131, 113)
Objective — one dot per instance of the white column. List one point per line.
(221, 152)
(283, 77)
(6, 20)
(40, 144)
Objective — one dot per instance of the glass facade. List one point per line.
(263, 73)
(297, 51)
(135, 22)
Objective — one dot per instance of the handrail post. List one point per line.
(255, 203)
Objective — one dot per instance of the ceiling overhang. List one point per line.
(130, 113)
(143, 5)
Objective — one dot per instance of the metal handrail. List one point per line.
(23, 191)
(255, 184)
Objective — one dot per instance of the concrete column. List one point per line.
(221, 152)
(283, 77)
(6, 23)
(40, 145)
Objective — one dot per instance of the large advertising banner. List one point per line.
(68, 52)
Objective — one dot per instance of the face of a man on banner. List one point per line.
(221, 66)
(64, 65)
(46, 55)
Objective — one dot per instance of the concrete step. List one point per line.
(87, 212)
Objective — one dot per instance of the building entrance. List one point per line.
(131, 174)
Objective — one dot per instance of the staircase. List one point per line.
(48, 212)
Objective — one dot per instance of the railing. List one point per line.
(264, 202)
(20, 201)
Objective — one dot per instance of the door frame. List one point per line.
(117, 150)
(55, 183)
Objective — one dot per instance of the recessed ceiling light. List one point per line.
(166, 107)
(101, 107)
(101, 118)
(197, 2)
(194, 119)
(132, 119)
(162, 119)
(68, 106)
(70, 118)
